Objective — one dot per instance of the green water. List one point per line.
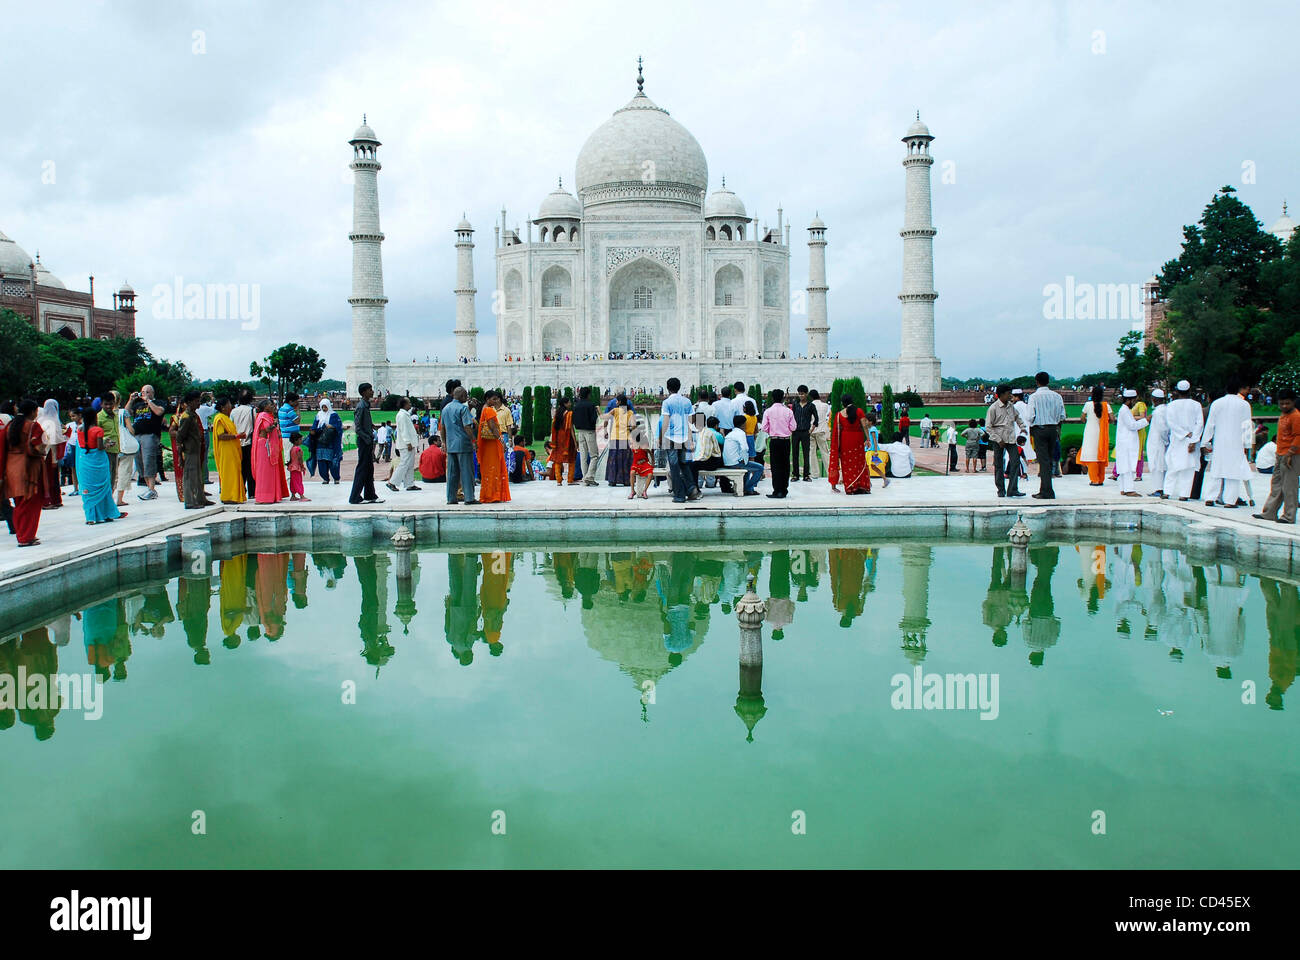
(590, 709)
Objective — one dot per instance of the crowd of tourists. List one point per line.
(266, 451)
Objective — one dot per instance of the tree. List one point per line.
(887, 430)
(167, 378)
(541, 412)
(526, 416)
(226, 388)
(1131, 368)
(289, 367)
(1227, 236)
(1203, 326)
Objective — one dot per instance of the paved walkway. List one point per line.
(64, 534)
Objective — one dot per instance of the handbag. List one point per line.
(127, 444)
(877, 462)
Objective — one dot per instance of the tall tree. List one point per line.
(1203, 326)
(526, 416)
(290, 367)
(1228, 236)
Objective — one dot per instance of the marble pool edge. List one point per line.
(189, 546)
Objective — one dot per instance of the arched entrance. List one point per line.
(643, 309)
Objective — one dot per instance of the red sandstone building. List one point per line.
(30, 290)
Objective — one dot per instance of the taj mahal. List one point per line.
(642, 275)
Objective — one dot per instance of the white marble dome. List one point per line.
(918, 129)
(45, 278)
(364, 133)
(1284, 226)
(560, 205)
(14, 261)
(640, 139)
(724, 203)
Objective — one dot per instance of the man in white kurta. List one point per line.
(1027, 418)
(1128, 446)
(404, 447)
(1222, 440)
(1157, 441)
(1183, 456)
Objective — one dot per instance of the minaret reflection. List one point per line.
(372, 574)
(750, 611)
(460, 615)
(1042, 628)
(917, 559)
(1282, 614)
(193, 601)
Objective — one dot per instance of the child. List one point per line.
(873, 440)
(296, 468)
(972, 437)
(642, 465)
(983, 447)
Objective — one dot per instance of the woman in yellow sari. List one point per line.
(225, 442)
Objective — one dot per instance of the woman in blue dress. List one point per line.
(327, 432)
(93, 474)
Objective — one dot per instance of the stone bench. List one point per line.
(735, 474)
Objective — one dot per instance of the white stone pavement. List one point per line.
(64, 534)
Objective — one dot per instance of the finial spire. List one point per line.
(918, 115)
(363, 118)
(724, 185)
(1283, 214)
(640, 80)
(560, 182)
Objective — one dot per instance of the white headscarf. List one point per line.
(50, 423)
(323, 418)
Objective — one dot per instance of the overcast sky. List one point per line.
(1082, 136)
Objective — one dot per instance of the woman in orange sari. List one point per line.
(495, 483)
(562, 441)
(848, 449)
(1094, 452)
(25, 472)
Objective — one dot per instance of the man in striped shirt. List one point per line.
(1046, 413)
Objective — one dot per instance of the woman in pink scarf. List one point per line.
(269, 480)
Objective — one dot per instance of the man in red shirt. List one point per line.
(1282, 490)
(433, 462)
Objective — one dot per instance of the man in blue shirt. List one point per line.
(735, 453)
(675, 440)
(457, 428)
(290, 422)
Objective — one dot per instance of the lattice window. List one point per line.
(643, 298)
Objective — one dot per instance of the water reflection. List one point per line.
(648, 611)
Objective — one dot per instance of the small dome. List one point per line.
(364, 133)
(724, 203)
(918, 129)
(14, 261)
(126, 291)
(45, 278)
(1284, 226)
(817, 223)
(560, 205)
(464, 226)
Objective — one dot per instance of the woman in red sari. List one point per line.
(562, 451)
(269, 482)
(495, 484)
(25, 472)
(848, 449)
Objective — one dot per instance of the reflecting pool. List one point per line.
(904, 705)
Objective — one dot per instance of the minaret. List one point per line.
(817, 326)
(466, 332)
(916, 600)
(918, 232)
(369, 333)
